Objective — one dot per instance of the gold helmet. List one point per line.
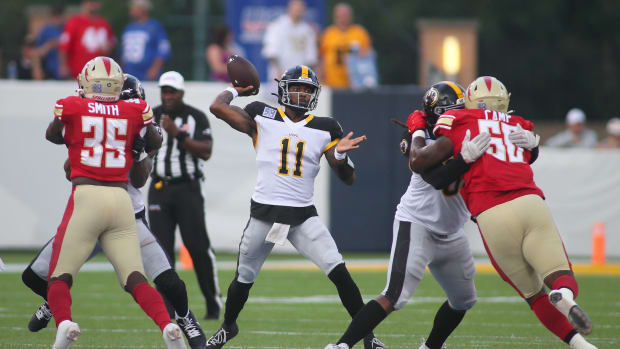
(101, 79)
(486, 92)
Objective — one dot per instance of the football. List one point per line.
(242, 73)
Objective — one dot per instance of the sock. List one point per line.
(151, 303)
(238, 293)
(550, 317)
(59, 299)
(446, 320)
(173, 289)
(34, 282)
(567, 281)
(363, 323)
(348, 291)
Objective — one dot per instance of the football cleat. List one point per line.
(223, 335)
(339, 346)
(40, 318)
(68, 331)
(372, 342)
(573, 312)
(173, 338)
(192, 331)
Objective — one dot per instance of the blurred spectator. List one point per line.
(289, 41)
(29, 64)
(613, 134)
(84, 37)
(145, 44)
(221, 47)
(47, 42)
(576, 134)
(338, 41)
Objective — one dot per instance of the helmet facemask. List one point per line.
(285, 94)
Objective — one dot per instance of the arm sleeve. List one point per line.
(203, 128)
(256, 108)
(163, 44)
(336, 133)
(442, 176)
(534, 155)
(147, 113)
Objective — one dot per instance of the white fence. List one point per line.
(582, 186)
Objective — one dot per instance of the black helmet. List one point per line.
(298, 75)
(132, 88)
(442, 96)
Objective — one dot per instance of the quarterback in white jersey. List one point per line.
(427, 232)
(289, 144)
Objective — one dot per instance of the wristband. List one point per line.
(233, 91)
(339, 156)
(181, 136)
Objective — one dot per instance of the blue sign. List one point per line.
(248, 20)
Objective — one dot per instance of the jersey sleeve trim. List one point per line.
(147, 115)
(309, 118)
(58, 110)
(445, 122)
(331, 144)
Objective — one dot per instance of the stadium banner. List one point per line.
(249, 19)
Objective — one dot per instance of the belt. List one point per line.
(172, 180)
(141, 214)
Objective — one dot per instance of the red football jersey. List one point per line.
(100, 135)
(84, 38)
(503, 172)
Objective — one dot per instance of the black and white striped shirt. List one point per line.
(173, 161)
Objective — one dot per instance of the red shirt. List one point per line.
(503, 173)
(100, 135)
(84, 38)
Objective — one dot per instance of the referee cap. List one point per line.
(172, 79)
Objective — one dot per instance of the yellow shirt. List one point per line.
(335, 44)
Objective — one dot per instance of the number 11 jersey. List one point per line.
(503, 173)
(288, 154)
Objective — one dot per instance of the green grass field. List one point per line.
(300, 309)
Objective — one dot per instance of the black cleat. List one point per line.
(40, 318)
(192, 331)
(222, 336)
(372, 342)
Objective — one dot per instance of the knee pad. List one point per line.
(463, 303)
(246, 274)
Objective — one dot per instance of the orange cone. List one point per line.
(185, 259)
(598, 243)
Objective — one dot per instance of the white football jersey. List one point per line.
(136, 198)
(288, 154)
(442, 211)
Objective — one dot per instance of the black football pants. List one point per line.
(182, 203)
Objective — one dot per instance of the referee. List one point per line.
(175, 197)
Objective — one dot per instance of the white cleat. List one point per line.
(339, 346)
(173, 337)
(564, 303)
(68, 331)
(578, 342)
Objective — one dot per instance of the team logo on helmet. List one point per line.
(431, 97)
(403, 146)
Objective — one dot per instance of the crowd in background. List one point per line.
(341, 54)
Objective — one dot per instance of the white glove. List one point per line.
(524, 138)
(472, 150)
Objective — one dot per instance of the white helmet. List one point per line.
(486, 92)
(101, 79)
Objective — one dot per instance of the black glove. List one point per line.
(138, 147)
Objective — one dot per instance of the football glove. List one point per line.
(524, 138)
(416, 121)
(472, 150)
(138, 147)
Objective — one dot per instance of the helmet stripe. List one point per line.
(456, 88)
(304, 71)
(488, 81)
(107, 64)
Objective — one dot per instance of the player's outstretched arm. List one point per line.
(422, 157)
(153, 139)
(236, 117)
(338, 159)
(54, 131)
(140, 171)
